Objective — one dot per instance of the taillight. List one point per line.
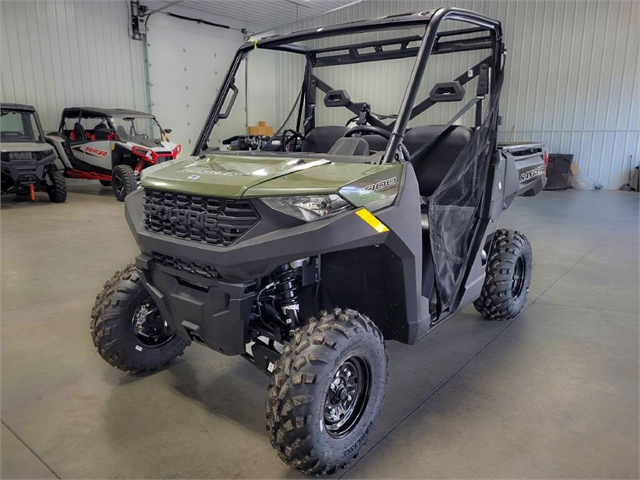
(177, 150)
(546, 160)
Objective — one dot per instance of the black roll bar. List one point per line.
(430, 35)
(430, 45)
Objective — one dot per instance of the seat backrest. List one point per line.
(79, 133)
(432, 165)
(101, 132)
(122, 133)
(376, 142)
(321, 139)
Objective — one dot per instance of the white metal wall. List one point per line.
(58, 54)
(572, 76)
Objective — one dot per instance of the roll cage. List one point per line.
(80, 113)
(432, 42)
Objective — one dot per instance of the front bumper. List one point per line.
(212, 312)
(26, 172)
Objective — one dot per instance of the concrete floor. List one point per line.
(552, 394)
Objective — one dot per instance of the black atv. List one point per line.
(305, 260)
(27, 162)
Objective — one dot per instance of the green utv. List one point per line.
(307, 255)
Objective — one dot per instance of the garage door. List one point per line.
(187, 63)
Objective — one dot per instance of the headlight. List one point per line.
(309, 208)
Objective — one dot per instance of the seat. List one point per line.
(79, 133)
(321, 139)
(376, 143)
(122, 133)
(432, 166)
(101, 132)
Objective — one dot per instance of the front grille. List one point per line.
(211, 220)
(185, 265)
(22, 156)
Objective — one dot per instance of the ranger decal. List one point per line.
(531, 174)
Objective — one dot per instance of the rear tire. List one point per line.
(123, 181)
(105, 183)
(115, 329)
(57, 188)
(326, 392)
(508, 276)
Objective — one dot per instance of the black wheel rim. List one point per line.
(149, 327)
(118, 184)
(518, 278)
(347, 396)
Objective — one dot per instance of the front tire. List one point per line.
(127, 329)
(508, 276)
(56, 186)
(123, 181)
(326, 392)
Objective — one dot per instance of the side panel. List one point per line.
(96, 153)
(384, 281)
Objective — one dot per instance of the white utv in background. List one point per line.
(28, 162)
(112, 145)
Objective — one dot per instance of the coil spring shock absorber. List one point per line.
(287, 291)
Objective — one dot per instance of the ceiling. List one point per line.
(267, 14)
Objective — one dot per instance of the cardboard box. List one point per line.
(573, 172)
(262, 129)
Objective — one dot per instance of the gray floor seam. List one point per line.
(574, 266)
(585, 308)
(28, 447)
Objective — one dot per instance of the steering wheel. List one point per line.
(371, 130)
(293, 135)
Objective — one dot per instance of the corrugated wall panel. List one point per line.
(572, 76)
(58, 54)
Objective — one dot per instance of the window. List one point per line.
(19, 126)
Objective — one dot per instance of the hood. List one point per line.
(25, 147)
(251, 176)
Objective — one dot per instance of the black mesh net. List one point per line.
(452, 207)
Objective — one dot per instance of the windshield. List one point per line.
(133, 129)
(17, 126)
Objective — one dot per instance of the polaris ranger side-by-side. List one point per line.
(112, 145)
(307, 259)
(28, 163)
